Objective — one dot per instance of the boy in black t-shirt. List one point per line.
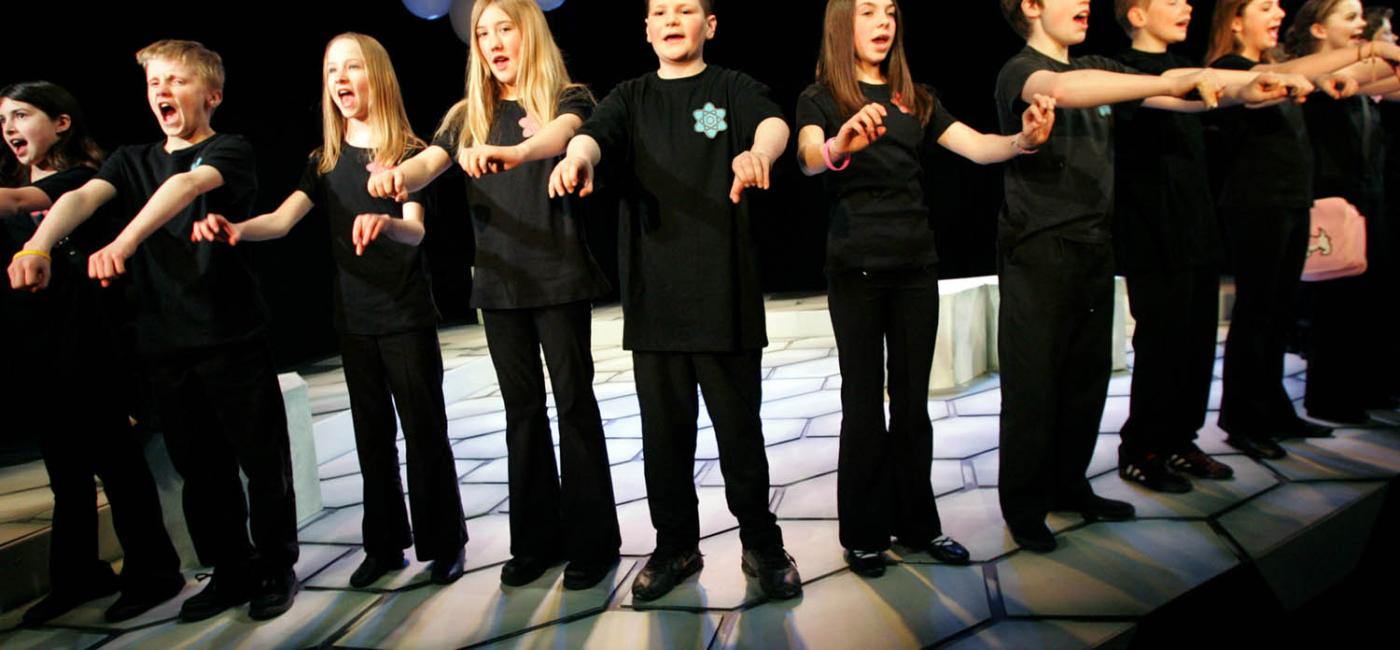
(201, 325)
(1056, 260)
(690, 139)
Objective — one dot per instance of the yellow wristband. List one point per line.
(31, 252)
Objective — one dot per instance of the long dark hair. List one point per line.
(74, 147)
(836, 68)
(1299, 41)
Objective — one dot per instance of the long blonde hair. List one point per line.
(541, 80)
(393, 135)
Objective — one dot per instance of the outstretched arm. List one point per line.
(31, 270)
(174, 195)
(273, 225)
(984, 149)
(575, 172)
(550, 141)
(411, 175)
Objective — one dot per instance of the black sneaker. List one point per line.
(275, 595)
(870, 564)
(137, 599)
(228, 588)
(663, 571)
(1257, 448)
(1300, 428)
(1150, 471)
(583, 574)
(776, 572)
(63, 599)
(375, 567)
(1191, 460)
(525, 569)
(1093, 507)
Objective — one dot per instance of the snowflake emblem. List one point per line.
(710, 120)
(529, 127)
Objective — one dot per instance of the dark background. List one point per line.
(272, 52)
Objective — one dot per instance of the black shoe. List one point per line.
(776, 572)
(1191, 460)
(140, 598)
(1341, 415)
(1150, 471)
(870, 564)
(375, 567)
(1300, 428)
(1093, 507)
(64, 600)
(446, 570)
(274, 596)
(1257, 448)
(227, 588)
(663, 571)
(583, 574)
(525, 569)
(1032, 535)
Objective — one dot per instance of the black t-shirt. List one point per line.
(1068, 185)
(878, 219)
(530, 249)
(1266, 154)
(1349, 146)
(386, 290)
(689, 261)
(190, 295)
(1164, 216)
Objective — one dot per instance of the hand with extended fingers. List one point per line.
(367, 228)
(1037, 122)
(572, 174)
(751, 169)
(215, 228)
(484, 159)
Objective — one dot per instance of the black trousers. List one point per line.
(566, 510)
(1055, 343)
(1177, 316)
(84, 430)
(732, 385)
(403, 371)
(1268, 248)
(221, 409)
(882, 485)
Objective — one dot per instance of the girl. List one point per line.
(1265, 201)
(384, 311)
(1349, 152)
(864, 125)
(534, 281)
(66, 334)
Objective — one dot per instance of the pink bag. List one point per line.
(1336, 241)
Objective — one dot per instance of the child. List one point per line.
(1265, 200)
(1056, 265)
(201, 326)
(882, 271)
(67, 336)
(384, 311)
(1348, 343)
(534, 282)
(688, 140)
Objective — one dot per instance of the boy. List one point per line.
(691, 138)
(1056, 262)
(201, 327)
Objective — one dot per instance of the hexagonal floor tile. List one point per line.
(1339, 457)
(1207, 498)
(1044, 635)
(23, 477)
(722, 585)
(987, 402)
(774, 432)
(335, 527)
(485, 447)
(312, 620)
(475, 609)
(619, 407)
(803, 406)
(1114, 569)
(987, 469)
(652, 630)
(973, 518)
(815, 498)
(1272, 519)
(478, 406)
(911, 606)
(49, 638)
(1115, 413)
(776, 389)
(628, 427)
(479, 499)
(826, 426)
(1120, 384)
(965, 436)
(789, 357)
(825, 366)
(639, 537)
(794, 461)
(476, 425)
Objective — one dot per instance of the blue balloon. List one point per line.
(428, 9)
(461, 17)
(550, 5)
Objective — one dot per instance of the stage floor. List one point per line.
(1104, 578)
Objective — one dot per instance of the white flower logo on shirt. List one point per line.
(710, 120)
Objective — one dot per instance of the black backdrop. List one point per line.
(272, 51)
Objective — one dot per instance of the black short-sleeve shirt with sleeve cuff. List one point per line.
(1068, 185)
(386, 290)
(190, 295)
(688, 256)
(878, 218)
(89, 236)
(530, 249)
(1164, 214)
(1266, 152)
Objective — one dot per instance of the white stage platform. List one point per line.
(1105, 579)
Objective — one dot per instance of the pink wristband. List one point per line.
(826, 156)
